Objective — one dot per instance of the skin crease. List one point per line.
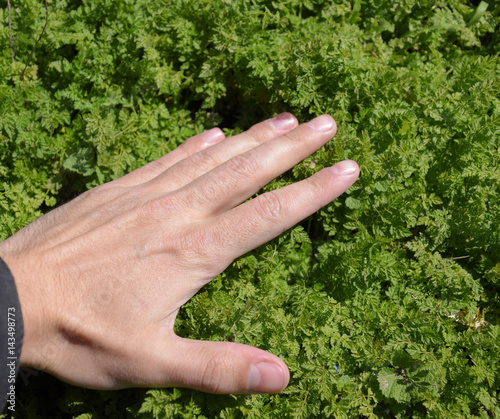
(101, 279)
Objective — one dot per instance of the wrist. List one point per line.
(37, 313)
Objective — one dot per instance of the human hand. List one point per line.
(101, 279)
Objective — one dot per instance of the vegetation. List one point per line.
(385, 303)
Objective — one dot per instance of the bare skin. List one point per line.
(101, 279)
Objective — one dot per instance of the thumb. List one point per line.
(225, 367)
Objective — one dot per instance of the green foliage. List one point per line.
(384, 303)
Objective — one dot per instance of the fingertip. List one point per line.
(212, 136)
(283, 122)
(345, 168)
(286, 372)
(323, 123)
(267, 377)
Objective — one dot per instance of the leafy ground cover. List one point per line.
(385, 303)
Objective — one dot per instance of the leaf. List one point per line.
(356, 9)
(352, 203)
(478, 13)
(392, 386)
(81, 162)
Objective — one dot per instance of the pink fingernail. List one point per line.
(322, 123)
(265, 377)
(212, 136)
(282, 122)
(344, 168)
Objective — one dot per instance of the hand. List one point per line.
(101, 279)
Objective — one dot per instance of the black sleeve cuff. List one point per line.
(11, 337)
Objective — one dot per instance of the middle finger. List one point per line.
(234, 181)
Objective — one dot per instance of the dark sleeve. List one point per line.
(11, 337)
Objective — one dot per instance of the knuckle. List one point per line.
(202, 248)
(186, 149)
(259, 133)
(94, 193)
(159, 207)
(244, 165)
(269, 206)
(317, 188)
(203, 160)
(213, 373)
(188, 244)
(155, 167)
(105, 192)
(199, 244)
(292, 137)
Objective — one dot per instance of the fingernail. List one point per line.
(283, 121)
(212, 136)
(322, 123)
(265, 377)
(344, 168)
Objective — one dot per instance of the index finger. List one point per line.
(265, 217)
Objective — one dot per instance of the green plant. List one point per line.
(384, 303)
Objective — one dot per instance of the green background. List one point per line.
(383, 304)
